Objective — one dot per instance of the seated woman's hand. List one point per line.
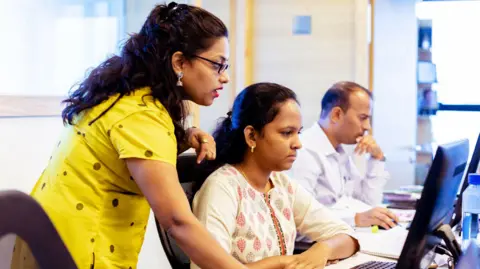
(203, 143)
(314, 258)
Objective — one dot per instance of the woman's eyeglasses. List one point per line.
(221, 66)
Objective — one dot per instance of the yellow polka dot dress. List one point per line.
(87, 189)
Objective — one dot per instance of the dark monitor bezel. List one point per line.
(439, 192)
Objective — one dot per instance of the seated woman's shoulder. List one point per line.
(281, 179)
(224, 172)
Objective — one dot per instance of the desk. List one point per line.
(360, 257)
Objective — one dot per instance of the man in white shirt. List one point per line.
(329, 173)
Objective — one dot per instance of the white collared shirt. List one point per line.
(332, 177)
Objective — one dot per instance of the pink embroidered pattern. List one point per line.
(241, 220)
(241, 244)
(251, 193)
(278, 228)
(269, 244)
(257, 245)
(260, 218)
(290, 188)
(239, 191)
(287, 213)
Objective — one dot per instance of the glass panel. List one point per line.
(50, 44)
(455, 44)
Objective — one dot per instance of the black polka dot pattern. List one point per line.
(78, 133)
(97, 166)
(115, 202)
(120, 126)
(79, 206)
(131, 178)
(131, 224)
(112, 248)
(92, 240)
(108, 133)
(64, 173)
(148, 153)
(43, 185)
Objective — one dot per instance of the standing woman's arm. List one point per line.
(146, 142)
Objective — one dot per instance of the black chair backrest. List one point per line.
(189, 174)
(23, 216)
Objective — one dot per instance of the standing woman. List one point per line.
(124, 127)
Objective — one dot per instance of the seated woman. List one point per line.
(253, 209)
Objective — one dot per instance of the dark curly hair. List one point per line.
(145, 60)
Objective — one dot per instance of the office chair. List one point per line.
(189, 174)
(23, 216)
(301, 247)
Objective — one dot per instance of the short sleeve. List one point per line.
(216, 205)
(145, 134)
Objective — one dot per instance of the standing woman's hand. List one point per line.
(203, 143)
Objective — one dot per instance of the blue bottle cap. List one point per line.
(474, 179)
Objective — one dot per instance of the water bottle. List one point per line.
(471, 210)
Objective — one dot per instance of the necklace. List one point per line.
(247, 179)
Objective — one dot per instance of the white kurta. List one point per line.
(251, 225)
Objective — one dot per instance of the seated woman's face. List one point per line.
(276, 148)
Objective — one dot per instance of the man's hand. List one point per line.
(376, 216)
(203, 143)
(366, 144)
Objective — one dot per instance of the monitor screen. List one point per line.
(435, 205)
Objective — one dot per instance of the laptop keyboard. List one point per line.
(376, 265)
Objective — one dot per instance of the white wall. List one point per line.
(308, 64)
(25, 147)
(395, 87)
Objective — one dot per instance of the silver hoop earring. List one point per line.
(179, 81)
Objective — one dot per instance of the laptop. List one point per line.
(433, 210)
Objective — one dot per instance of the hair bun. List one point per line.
(172, 5)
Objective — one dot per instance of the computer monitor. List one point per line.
(472, 168)
(434, 208)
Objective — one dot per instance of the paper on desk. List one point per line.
(351, 204)
(387, 244)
